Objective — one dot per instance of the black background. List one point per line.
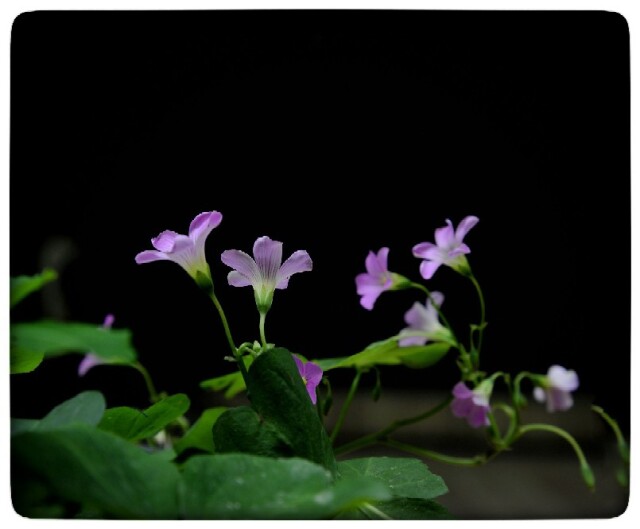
(338, 133)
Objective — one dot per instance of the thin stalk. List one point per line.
(373, 438)
(345, 405)
(437, 456)
(263, 339)
(227, 332)
(151, 389)
(482, 314)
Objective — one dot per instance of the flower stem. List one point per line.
(345, 406)
(153, 394)
(437, 456)
(227, 331)
(263, 339)
(482, 315)
(587, 474)
(623, 447)
(374, 438)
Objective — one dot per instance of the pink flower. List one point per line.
(91, 360)
(556, 388)
(265, 271)
(423, 324)
(472, 405)
(185, 250)
(376, 280)
(448, 249)
(311, 376)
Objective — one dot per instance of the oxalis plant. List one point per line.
(273, 458)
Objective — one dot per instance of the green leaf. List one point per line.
(53, 338)
(406, 477)
(241, 486)
(388, 352)
(231, 384)
(23, 360)
(135, 425)
(88, 466)
(279, 398)
(85, 408)
(200, 435)
(22, 286)
(400, 509)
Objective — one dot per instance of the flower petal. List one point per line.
(108, 321)
(369, 298)
(299, 261)
(465, 225)
(299, 365)
(89, 361)
(376, 265)
(461, 407)
(202, 225)
(426, 250)
(438, 299)
(445, 236)
(478, 417)
(408, 341)
(428, 268)
(236, 279)
(461, 391)
(268, 256)
(165, 241)
(460, 249)
(416, 317)
(242, 263)
(564, 379)
(559, 400)
(150, 255)
(313, 373)
(539, 394)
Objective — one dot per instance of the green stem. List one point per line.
(263, 339)
(227, 332)
(587, 474)
(437, 456)
(153, 394)
(373, 438)
(623, 447)
(368, 508)
(345, 406)
(482, 314)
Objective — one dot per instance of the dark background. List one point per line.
(338, 133)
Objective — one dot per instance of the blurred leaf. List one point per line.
(135, 425)
(241, 486)
(200, 435)
(388, 352)
(83, 464)
(406, 477)
(280, 400)
(24, 360)
(231, 384)
(23, 425)
(22, 286)
(53, 338)
(400, 509)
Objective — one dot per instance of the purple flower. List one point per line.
(186, 250)
(91, 360)
(311, 376)
(423, 324)
(556, 388)
(472, 405)
(448, 249)
(265, 271)
(376, 280)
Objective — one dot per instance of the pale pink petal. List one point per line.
(461, 407)
(299, 365)
(561, 378)
(202, 225)
(460, 249)
(369, 298)
(426, 250)
(313, 374)
(445, 236)
(149, 256)
(417, 316)
(465, 225)
(438, 298)
(376, 265)
(299, 261)
(236, 279)
(108, 321)
(408, 341)
(428, 268)
(165, 241)
(559, 400)
(478, 417)
(89, 361)
(539, 394)
(268, 256)
(243, 264)
(461, 391)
